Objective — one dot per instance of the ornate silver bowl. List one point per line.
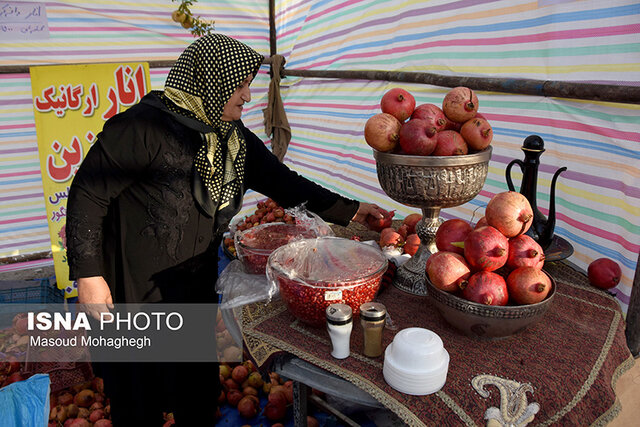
(429, 183)
(488, 321)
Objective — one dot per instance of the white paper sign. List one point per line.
(23, 21)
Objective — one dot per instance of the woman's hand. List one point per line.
(94, 293)
(364, 211)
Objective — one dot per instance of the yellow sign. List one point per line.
(71, 104)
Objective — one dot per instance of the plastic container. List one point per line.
(312, 274)
(416, 362)
(253, 246)
(41, 291)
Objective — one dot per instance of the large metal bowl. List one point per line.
(429, 183)
(488, 321)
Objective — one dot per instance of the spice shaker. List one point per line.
(339, 325)
(372, 317)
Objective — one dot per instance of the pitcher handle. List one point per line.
(508, 172)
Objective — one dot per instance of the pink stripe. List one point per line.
(22, 126)
(331, 9)
(566, 124)
(291, 31)
(554, 35)
(332, 106)
(612, 237)
(27, 264)
(336, 153)
(7, 175)
(31, 218)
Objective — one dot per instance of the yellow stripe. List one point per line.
(8, 206)
(416, 25)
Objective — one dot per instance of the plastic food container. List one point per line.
(253, 246)
(312, 274)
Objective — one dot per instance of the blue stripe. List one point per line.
(17, 134)
(332, 159)
(599, 14)
(601, 250)
(26, 227)
(573, 142)
(334, 113)
(21, 181)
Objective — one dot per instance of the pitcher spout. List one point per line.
(547, 231)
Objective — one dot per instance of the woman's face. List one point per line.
(233, 108)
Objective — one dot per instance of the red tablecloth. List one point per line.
(560, 371)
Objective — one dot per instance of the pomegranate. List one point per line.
(411, 221)
(84, 398)
(450, 231)
(510, 212)
(97, 385)
(312, 422)
(486, 287)
(378, 224)
(255, 380)
(450, 143)
(481, 222)
(460, 104)
(225, 371)
(604, 273)
(485, 248)
(528, 285)
(380, 132)
(432, 114)
(451, 125)
(417, 138)
(403, 230)
(447, 271)
(399, 103)
(411, 244)
(96, 415)
(102, 423)
(477, 133)
(21, 326)
(239, 374)
(391, 238)
(247, 407)
(275, 411)
(234, 396)
(525, 252)
(65, 398)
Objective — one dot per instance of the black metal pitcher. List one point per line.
(541, 229)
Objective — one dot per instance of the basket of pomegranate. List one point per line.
(312, 274)
(488, 280)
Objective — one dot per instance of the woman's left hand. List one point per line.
(365, 210)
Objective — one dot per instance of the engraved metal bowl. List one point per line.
(429, 183)
(488, 321)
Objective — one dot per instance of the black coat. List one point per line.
(132, 217)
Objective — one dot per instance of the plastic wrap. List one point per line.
(239, 287)
(253, 246)
(311, 274)
(25, 403)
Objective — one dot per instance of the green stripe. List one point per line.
(362, 150)
(22, 165)
(17, 119)
(22, 212)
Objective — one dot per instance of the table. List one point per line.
(560, 371)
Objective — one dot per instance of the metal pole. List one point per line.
(633, 315)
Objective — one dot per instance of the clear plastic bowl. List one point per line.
(312, 274)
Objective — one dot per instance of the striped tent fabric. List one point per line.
(597, 198)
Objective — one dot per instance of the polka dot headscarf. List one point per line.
(198, 86)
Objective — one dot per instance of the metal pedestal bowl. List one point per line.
(429, 183)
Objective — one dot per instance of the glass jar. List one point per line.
(372, 317)
(339, 326)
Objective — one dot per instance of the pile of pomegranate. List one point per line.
(404, 238)
(82, 405)
(267, 211)
(455, 129)
(493, 263)
(243, 386)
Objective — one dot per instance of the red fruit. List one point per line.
(403, 230)
(14, 365)
(486, 287)
(234, 396)
(417, 138)
(13, 378)
(411, 221)
(451, 125)
(65, 398)
(387, 230)
(84, 398)
(21, 326)
(382, 132)
(104, 423)
(275, 411)
(312, 422)
(481, 222)
(485, 248)
(96, 415)
(277, 396)
(525, 252)
(452, 231)
(391, 238)
(448, 271)
(477, 133)
(399, 103)
(378, 224)
(528, 285)
(411, 244)
(239, 374)
(230, 384)
(510, 212)
(78, 422)
(97, 385)
(450, 143)
(460, 104)
(604, 273)
(432, 114)
(247, 407)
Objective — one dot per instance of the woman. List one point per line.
(148, 206)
